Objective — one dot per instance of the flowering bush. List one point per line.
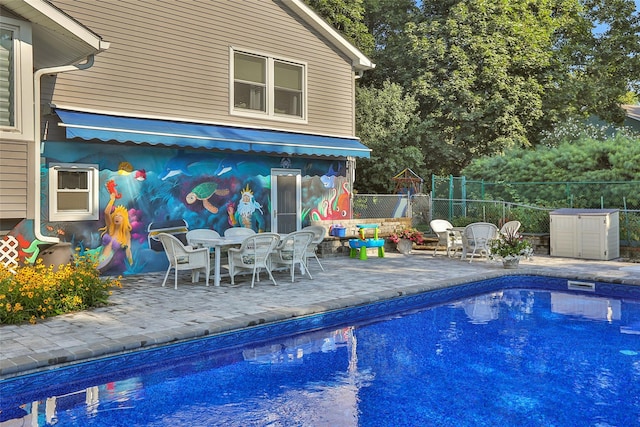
(36, 291)
(407, 233)
(510, 245)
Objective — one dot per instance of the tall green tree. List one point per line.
(597, 60)
(386, 20)
(488, 76)
(385, 120)
(480, 69)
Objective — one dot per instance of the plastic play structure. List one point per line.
(363, 243)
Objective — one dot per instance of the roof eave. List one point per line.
(359, 60)
(47, 15)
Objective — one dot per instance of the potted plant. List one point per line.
(510, 247)
(405, 238)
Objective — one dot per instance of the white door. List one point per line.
(591, 231)
(286, 204)
(564, 242)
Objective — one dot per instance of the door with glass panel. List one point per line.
(285, 200)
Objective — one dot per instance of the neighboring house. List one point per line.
(633, 117)
(217, 113)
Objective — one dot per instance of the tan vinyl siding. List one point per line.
(171, 60)
(13, 179)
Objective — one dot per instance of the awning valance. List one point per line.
(104, 127)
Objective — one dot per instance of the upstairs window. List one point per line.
(73, 192)
(266, 86)
(7, 76)
(250, 82)
(16, 88)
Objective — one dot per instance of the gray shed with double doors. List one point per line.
(585, 233)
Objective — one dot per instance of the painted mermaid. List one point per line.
(116, 234)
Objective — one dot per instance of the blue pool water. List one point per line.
(510, 352)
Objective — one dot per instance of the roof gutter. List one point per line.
(37, 76)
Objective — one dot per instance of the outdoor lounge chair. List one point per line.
(510, 228)
(183, 257)
(447, 237)
(476, 238)
(201, 233)
(318, 236)
(292, 251)
(253, 255)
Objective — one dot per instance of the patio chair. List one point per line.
(476, 238)
(318, 236)
(201, 233)
(183, 257)
(292, 251)
(238, 231)
(510, 228)
(447, 237)
(253, 255)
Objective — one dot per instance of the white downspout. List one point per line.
(37, 76)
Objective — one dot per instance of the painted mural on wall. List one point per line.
(143, 185)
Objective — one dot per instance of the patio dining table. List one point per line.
(217, 244)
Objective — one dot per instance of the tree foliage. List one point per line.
(615, 159)
(600, 65)
(347, 17)
(385, 120)
(480, 70)
(488, 76)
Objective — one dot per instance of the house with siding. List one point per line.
(210, 114)
(632, 117)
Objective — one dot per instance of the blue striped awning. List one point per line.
(104, 127)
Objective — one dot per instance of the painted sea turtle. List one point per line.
(203, 192)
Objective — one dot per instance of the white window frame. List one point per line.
(270, 89)
(91, 192)
(22, 128)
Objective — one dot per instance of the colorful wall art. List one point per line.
(141, 185)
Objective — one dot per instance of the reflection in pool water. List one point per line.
(496, 355)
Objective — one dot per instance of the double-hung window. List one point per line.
(15, 77)
(267, 86)
(73, 192)
(7, 77)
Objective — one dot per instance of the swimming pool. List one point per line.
(510, 351)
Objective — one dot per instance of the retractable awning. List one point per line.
(90, 126)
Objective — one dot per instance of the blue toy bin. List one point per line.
(338, 231)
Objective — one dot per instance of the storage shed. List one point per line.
(585, 233)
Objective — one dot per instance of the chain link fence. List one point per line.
(621, 195)
(461, 212)
(416, 206)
